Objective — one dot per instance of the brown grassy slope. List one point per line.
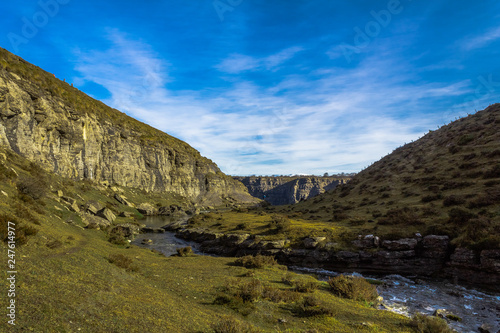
(447, 182)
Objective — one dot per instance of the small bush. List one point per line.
(287, 279)
(431, 197)
(281, 223)
(404, 215)
(33, 187)
(231, 325)
(311, 306)
(302, 286)
(493, 172)
(184, 251)
(122, 261)
(259, 261)
(353, 287)
(277, 295)
(426, 324)
(460, 216)
(22, 231)
(54, 244)
(465, 139)
(453, 200)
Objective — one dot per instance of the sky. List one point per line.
(272, 87)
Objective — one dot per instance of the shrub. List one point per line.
(22, 231)
(493, 172)
(259, 261)
(303, 286)
(311, 306)
(281, 223)
(426, 324)
(6, 173)
(353, 287)
(404, 215)
(122, 261)
(431, 197)
(231, 325)
(184, 251)
(33, 187)
(54, 244)
(465, 139)
(453, 200)
(277, 295)
(460, 216)
(117, 236)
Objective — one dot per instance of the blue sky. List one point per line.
(272, 87)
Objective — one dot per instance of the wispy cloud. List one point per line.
(341, 120)
(238, 63)
(482, 40)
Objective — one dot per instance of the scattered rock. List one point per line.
(74, 207)
(445, 314)
(106, 214)
(312, 242)
(4, 193)
(147, 241)
(486, 328)
(126, 214)
(147, 209)
(59, 193)
(68, 200)
(400, 244)
(94, 222)
(121, 199)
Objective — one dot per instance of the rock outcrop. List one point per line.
(283, 190)
(65, 131)
(427, 256)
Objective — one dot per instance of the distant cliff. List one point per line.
(285, 190)
(69, 133)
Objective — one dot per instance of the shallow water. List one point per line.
(401, 295)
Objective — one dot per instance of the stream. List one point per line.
(401, 295)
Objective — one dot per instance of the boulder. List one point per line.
(91, 208)
(95, 222)
(367, 241)
(490, 260)
(68, 200)
(59, 193)
(312, 242)
(121, 199)
(107, 214)
(126, 214)
(400, 244)
(74, 207)
(147, 209)
(147, 241)
(127, 230)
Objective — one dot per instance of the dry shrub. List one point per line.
(353, 287)
(406, 215)
(460, 216)
(259, 261)
(232, 325)
(427, 324)
(35, 188)
(184, 251)
(311, 306)
(22, 231)
(277, 295)
(453, 200)
(122, 261)
(303, 286)
(280, 222)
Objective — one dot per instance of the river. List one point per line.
(402, 295)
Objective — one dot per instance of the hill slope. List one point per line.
(447, 182)
(65, 131)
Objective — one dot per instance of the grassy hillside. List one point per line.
(447, 182)
(72, 278)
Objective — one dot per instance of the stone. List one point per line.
(312, 242)
(68, 200)
(127, 230)
(486, 328)
(4, 193)
(107, 214)
(490, 260)
(147, 209)
(123, 200)
(59, 193)
(90, 208)
(126, 214)
(400, 244)
(147, 241)
(74, 207)
(445, 314)
(95, 222)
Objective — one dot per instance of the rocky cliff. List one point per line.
(289, 190)
(67, 132)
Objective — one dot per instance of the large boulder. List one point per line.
(400, 244)
(147, 209)
(121, 199)
(107, 214)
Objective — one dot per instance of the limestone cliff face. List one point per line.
(65, 131)
(288, 190)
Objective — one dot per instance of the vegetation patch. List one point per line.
(353, 287)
